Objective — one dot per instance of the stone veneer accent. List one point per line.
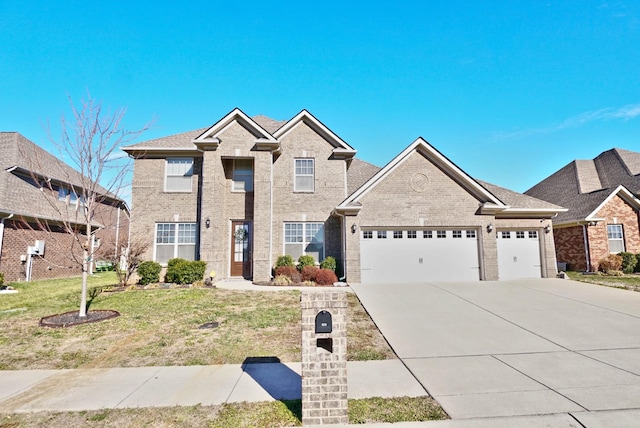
(324, 372)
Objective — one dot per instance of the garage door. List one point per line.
(419, 255)
(519, 254)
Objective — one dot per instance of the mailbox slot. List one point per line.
(323, 322)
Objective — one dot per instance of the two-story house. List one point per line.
(248, 189)
(41, 201)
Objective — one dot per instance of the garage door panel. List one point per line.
(519, 254)
(419, 259)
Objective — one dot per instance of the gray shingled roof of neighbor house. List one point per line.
(21, 158)
(515, 199)
(582, 185)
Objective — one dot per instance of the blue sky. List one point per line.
(509, 91)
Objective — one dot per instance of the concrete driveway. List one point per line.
(511, 348)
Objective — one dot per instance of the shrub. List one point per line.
(305, 261)
(281, 280)
(629, 262)
(637, 267)
(1, 278)
(149, 272)
(285, 260)
(309, 273)
(328, 263)
(181, 271)
(611, 263)
(290, 272)
(326, 277)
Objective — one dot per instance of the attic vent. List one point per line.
(587, 176)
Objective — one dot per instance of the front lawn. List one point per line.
(626, 281)
(160, 327)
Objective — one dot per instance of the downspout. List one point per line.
(117, 234)
(271, 216)
(2, 234)
(586, 246)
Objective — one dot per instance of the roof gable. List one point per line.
(210, 137)
(620, 191)
(341, 149)
(439, 160)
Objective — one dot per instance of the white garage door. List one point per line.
(418, 255)
(519, 254)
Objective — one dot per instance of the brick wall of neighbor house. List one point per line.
(616, 211)
(151, 204)
(570, 247)
(330, 189)
(418, 194)
(57, 261)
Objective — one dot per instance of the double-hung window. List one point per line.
(616, 238)
(304, 238)
(242, 175)
(175, 240)
(178, 174)
(304, 175)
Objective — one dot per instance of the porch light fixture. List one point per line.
(353, 228)
(490, 228)
(207, 223)
(547, 229)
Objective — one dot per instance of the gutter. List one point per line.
(2, 233)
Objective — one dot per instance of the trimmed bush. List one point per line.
(326, 277)
(290, 272)
(305, 261)
(181, 271)
(629, 262)
(285, 260)
(611, 263)
(309, 273)
(328, 263)
(1, 278)
(637, 267)
(149, 272)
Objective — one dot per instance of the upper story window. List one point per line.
(304, 175)
(616, 238)
(178, 174)
(242, 175)
(70, 195)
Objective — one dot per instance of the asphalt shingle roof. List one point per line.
(582, 185)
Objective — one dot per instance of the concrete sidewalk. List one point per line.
(92, 389)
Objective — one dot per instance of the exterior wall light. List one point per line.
(207, 223)
(489, 227)
(354, 228)
(547, 228)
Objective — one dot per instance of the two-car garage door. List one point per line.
(394, 256)
(400, 256)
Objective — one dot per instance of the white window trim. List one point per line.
(313, 176)
(175, 243)
(304, 235)
(621, 239)
(166, 174)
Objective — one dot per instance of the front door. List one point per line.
(241, 249)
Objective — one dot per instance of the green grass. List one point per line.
(160, 327)
(627, 281)
(236, 415)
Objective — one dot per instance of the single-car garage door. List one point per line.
(419, 255)
(519, 254)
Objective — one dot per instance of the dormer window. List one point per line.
(304, 175)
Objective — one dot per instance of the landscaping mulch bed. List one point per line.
(72, 318)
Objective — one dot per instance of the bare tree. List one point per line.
(84, 197)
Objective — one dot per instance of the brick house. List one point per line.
(36, 191)
(248, 189)
(602, 217)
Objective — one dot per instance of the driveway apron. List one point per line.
(514, 348)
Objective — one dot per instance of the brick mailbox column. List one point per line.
(324, 357)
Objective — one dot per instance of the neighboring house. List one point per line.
(37, 191)
(602, 217)
(248, 189)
